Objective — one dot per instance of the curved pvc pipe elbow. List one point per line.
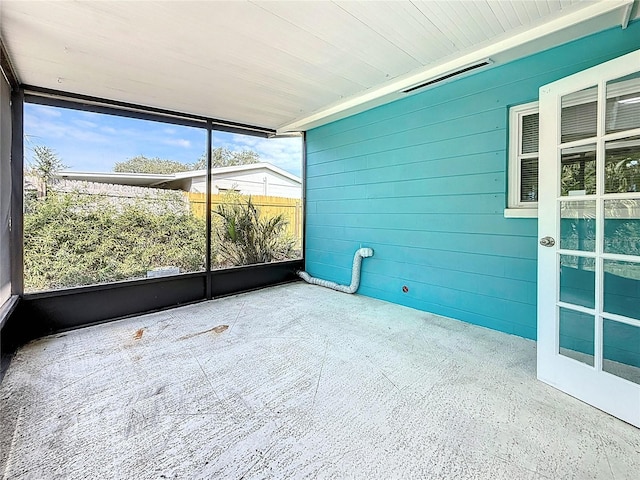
(355, 274)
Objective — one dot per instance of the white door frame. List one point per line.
(607, 392)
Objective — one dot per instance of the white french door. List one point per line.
(589, 228)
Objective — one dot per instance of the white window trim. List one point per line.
(515, 207)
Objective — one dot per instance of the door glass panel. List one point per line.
(577, 280)
(622, 288)
(622, 165)
(622, 226)
(578, 226)
(577, 332)
(623, 104)
(621, 350)
(578, 170)
(579, 115)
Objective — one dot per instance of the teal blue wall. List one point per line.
(423, 182)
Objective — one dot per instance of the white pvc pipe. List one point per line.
(355, 274)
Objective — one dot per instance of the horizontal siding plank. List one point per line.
(487, 285)
(488, 265)
(332, 245)
(496, 307)
(495, 315)
(433, 118)
(527, 330)
(435, 168)
(475, 144)
(500, 245)
(434, 222)
(438, 168)
(485, 183)
(328, 271)
(456, 128)
(342, 259)
(426, 277)
(492, 182)
(416, 156)
(491, 265)
(451, 204)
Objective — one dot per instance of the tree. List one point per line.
(46, 164)
(225, 157)
(220, 157)
(142, 164)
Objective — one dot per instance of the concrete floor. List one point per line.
(297, 381)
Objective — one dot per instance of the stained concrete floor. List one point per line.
(297, 381)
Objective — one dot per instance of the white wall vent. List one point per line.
(446, 76)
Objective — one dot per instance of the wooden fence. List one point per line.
(291, 208)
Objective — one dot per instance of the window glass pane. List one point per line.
(622, 226)
(530, 133)
(107, 199)
(622, 288)
(578, 174)
(256, 211)
(622, 165)
(577, 280)
(577, 331)
(579, 115)
(578, 226)
(621, 350)
(623, 104)
(529, 180)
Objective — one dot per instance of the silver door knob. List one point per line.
(547, 242)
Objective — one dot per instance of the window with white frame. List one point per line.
(523, 156)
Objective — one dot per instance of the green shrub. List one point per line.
(244, 238)
(73, 239)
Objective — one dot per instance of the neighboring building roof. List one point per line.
(137, 179)
(153, 180)
(239, 168)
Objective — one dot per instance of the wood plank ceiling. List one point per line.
(267, 64)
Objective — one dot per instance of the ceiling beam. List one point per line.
(626, 15)
(6, 66)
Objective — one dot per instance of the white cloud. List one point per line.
(85, 123)
(237, 139)
(45, 111)
(177, 142)
(285, 153)
(39, 127)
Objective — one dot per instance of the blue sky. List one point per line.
(87, 141)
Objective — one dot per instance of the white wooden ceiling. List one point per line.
(275, 64)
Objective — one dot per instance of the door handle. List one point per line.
(547, 242)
